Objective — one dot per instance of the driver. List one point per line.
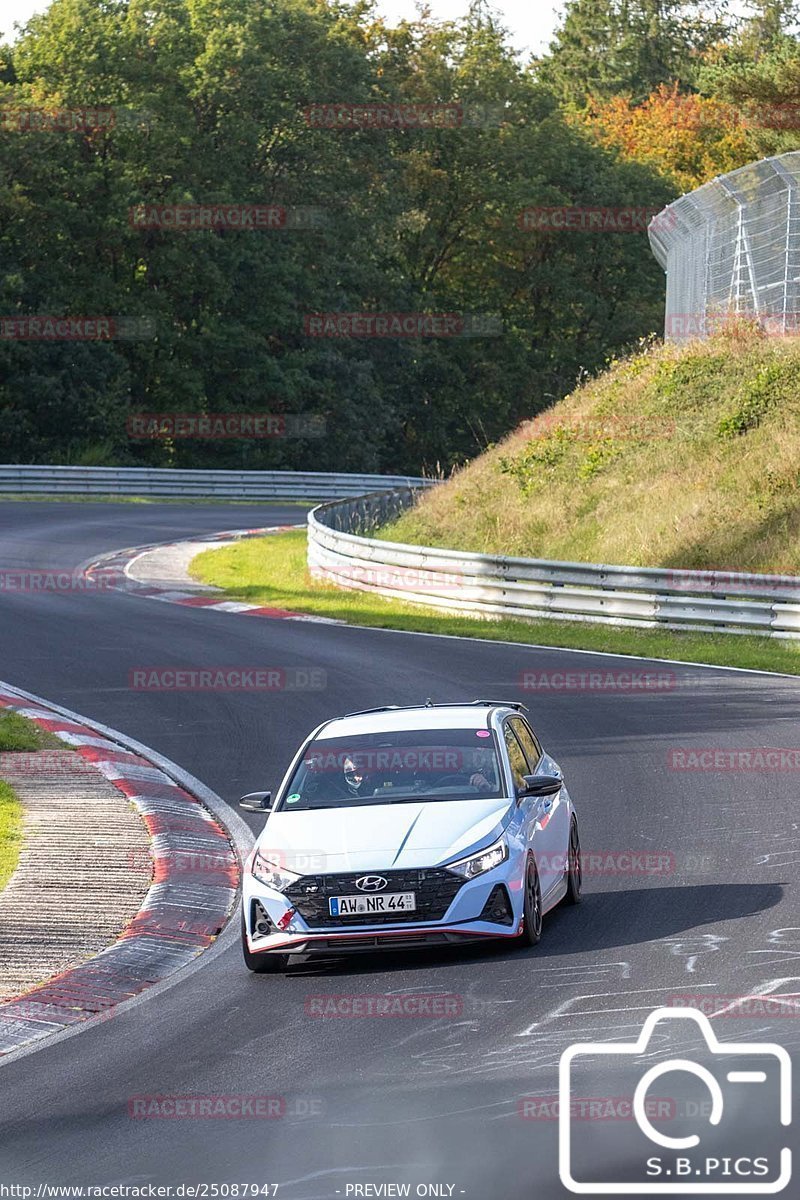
(482, 771)
(326, 782)
(356, 780)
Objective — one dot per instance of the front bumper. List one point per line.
(462, 917)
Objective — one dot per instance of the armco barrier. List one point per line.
(166, 482)
(496, 585)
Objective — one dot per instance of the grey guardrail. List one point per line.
(496, 585)
(176, 483)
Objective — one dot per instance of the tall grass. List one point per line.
(675, 457)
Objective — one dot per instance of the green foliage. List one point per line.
(541, 456)
(607, 48)
(561, 451)
(596, 457)
(10, 832)
(417, 220)
(18, 733)
(681, 384)
(752, 401)
(758, 72)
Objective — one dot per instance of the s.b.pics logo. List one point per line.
(730, 1104)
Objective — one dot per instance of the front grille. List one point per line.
(434, 888)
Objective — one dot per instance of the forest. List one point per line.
(364, 234)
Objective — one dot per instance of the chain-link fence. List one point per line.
(731, 249)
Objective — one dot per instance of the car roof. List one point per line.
(438, 716)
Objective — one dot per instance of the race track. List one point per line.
(373, 1100)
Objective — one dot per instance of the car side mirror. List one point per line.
(541, 785)
(257, 802)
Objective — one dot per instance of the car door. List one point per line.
(550, 814)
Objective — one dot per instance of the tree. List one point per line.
(687, 137)
(768, 22)
(417, 220)
(765, 93)
(613, 47)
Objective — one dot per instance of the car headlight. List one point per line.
(271, 873)
(485, 860)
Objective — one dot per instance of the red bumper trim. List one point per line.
(371, 933)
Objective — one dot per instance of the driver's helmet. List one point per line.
(353, 774)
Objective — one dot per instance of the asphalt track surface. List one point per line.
(400, 1100)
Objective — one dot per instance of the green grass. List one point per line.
(10, 832)
(678, 456)
(272, 571)
(18, 733)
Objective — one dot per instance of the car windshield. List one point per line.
(397, 767)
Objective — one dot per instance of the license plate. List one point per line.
(391, 902)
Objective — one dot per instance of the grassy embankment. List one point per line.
(673, 457)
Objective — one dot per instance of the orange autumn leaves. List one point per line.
(689, 137)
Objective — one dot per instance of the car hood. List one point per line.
(382, 836)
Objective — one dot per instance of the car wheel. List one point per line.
(262, 964)
(574, 866)
(532, 906)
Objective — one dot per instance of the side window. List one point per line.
(519, 765)
(533, 751)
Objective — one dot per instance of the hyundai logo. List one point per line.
(371, 883)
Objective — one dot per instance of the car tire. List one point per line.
(262, 964)
(574, 866)
(531, 906)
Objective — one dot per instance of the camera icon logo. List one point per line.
(733, 1080)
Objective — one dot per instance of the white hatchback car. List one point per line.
(401, 827)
